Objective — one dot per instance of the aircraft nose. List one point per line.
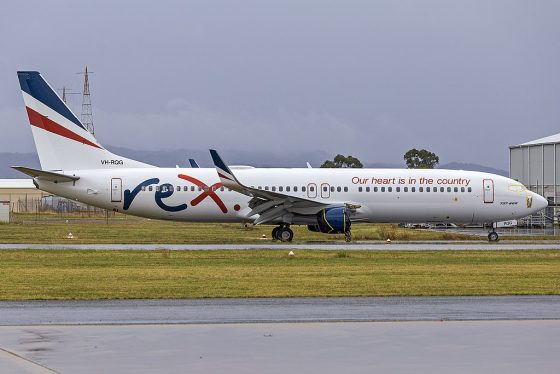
(539, 201)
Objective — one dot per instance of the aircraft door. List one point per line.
(312, 190)
(488, 190)
(116, 190)
(325, 190)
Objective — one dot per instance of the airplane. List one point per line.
(76, 166)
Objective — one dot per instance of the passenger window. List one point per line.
(406, 189)
(382, 189)
(143, 188)
(260, 188)
(287, 188)
(295, 188)
(312, 189)
(412, 189)
(199, 189)
(332, 189)
(274, 188)
(345, 189)
(360, 189)
(280, 188)
(185, 188)
(171, 188)
(303, 189)
(456, 189)
(462, 189)
(441, 189)
(375, 189)
(434, 189)
(192, 188)
(398, 189)
(157, 188)
(206, 189)
(420, 189)
(150, 188)
(389, 189)
(338, 189)
(448, 189)
(266, 188)
(325, 188)
(469, 189)
(367, 189)
(427, 189)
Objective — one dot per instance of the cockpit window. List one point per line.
(516, 188)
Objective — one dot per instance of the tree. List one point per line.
(341, 161)
(420, 159)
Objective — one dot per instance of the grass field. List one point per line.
(143, 231)
(65, 274)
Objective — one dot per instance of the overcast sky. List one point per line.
(464, 79)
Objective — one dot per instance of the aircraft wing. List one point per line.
(269, 205)
(46, 175)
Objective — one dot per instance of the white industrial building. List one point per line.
(536, 164)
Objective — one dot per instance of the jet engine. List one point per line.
(331, 221)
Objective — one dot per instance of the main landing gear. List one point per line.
(283, 233)
(347, 236)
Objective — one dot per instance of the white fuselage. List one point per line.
(381, 195)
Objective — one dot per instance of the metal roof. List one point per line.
(16, 183)
(546, 140)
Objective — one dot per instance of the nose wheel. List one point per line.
(493, 236)
(283, 233)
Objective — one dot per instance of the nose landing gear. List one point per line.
(283, 233)
(493, 236)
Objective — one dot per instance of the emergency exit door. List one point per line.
(488, 190)
(116, 190)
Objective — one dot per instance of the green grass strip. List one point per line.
(71, 274)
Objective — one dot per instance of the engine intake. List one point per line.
(331, 221)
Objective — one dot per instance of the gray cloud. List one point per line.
(463, 78)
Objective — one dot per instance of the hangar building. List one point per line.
(20, 193)
(536, 164)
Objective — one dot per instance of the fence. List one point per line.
(42, 207)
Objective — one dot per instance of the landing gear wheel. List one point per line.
(493, 236)
(347, 236)
(285, 234)
(275, 233)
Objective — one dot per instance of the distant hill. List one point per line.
(259, 159)
(473, 167)
(17, 159)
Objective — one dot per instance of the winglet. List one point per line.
(193, 163)
(224, 172)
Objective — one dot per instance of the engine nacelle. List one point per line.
(331, 221)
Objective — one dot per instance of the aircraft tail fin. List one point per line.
(62, 141)
(193, 163)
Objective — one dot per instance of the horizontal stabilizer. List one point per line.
(46, 175)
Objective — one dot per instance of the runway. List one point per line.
(370, 347)
(344, 309)
(395, 246)
(513, 334)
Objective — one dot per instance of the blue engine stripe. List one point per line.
(32, 83)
